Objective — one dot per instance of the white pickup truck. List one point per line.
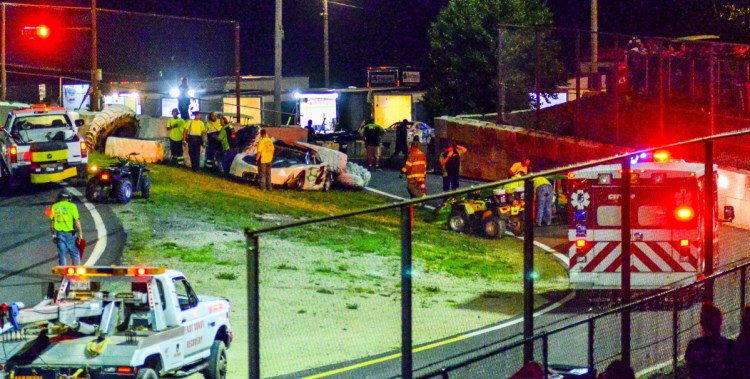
(116, 322)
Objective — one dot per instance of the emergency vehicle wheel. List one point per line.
(124, 191)
(146, 187)
(147, 373)
(217, 362)
(494, 227)
(94, 191)
(458, 220)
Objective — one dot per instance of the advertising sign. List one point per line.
(320, 108)
(74, 96)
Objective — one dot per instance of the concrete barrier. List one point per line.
(149, 151)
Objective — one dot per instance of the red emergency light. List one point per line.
(684, 243)
(661, 156)
(141, 271)
(571, 175)
(684, 213)
(105, 176)
(580, 244)
(13, 154)
(84, 149)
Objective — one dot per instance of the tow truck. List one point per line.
(40, 144)
(116, 322)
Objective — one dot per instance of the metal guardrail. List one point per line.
(620, 316)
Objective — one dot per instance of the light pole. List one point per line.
(595, 78)
(278, 37)
(326, 56)
(94, 68)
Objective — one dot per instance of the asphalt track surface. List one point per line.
(26, 250)
(564, 308)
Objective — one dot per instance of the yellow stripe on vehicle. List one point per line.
(386, 358)
(53, 177)
(49, 156)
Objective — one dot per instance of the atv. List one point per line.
(490, 216)
(119, 181)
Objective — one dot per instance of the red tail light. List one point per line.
(124, 370)
(105, 176)
(684, 213)
(13, 154)
(84, 149)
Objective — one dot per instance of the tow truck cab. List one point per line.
(113, 322)
(41, 145)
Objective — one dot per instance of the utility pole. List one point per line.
(595, 78)
(3, 73)
(326, 67)
(94, 68)
(278, 37)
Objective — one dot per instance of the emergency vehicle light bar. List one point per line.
(107, 271)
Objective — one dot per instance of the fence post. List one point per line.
(545, 355)
(743, 283)
(675, 333)
(625, 260)
(407, 218)
(537, 71)
(237, 69)
(591, 345)
(528, 271)
(253, 310)
(708, 219)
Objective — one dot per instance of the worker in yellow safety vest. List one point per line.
(213, 144)
(176, 130)
(65, 225)
(195, 131)
(521, 167)
(263, 160)
(415, 170)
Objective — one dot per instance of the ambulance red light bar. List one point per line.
(107, 271)
(684, 213)
(661, 156)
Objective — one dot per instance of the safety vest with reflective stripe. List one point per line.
(176, 127)
(416, 165)
(213, 126)
(195, 127)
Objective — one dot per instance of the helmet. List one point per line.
(63, 195)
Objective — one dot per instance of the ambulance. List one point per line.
(667, 221)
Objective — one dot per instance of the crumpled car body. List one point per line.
(294, 166)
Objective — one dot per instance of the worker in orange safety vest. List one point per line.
(415, 170)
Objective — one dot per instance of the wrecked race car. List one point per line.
(294, 166)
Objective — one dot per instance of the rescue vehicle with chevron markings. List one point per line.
(116, 322)
(667, 203)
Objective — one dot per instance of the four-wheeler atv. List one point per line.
(119, 181)
(489, 216)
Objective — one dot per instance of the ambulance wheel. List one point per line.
(147, 373)
(494, 227)
(94, 191)
(217, 362)
(124, 191)
(146, 187)
(458, 221)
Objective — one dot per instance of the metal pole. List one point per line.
(528, 271)
(708, 218)
(326, 51)
(675, 333)
(59, 93)
(407, 218)
(743, 284)
(3, 73)
(253, 306)
(545, 355)
(538, 111)
(595, 78)
(578, 78)
(711, 85)
(591, 345)
(94, 67)
(625, 260)
(237, 77)
(661, 98)
(278, 37)
(616, 90)
(500, 82)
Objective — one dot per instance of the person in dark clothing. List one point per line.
(618, 370)
(310, 131)
(183, 100)
(372, 134)
(710, 356)
(401, 147)
(450, 160)
(743, 345)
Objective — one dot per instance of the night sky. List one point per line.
(375, 33)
